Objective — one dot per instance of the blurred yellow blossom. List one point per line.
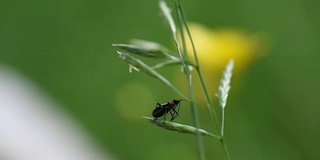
(215, 47)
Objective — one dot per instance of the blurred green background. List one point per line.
(64, 46)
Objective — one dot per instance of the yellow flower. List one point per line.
(216, 47)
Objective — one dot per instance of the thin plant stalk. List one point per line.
(222, 122)
(166, 12)
(208, 99)
(225, 149)
(166, 63)
(199, 72)
(190, 86)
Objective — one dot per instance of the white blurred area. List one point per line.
(33, 128)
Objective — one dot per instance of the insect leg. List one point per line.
(178, 108)
(154, 119)
(174, 112)
(164, 118)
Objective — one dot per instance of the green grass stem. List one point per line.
(201, 77)
(166, 12)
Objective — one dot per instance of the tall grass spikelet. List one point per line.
(225, 84)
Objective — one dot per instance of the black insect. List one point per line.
(164, 109)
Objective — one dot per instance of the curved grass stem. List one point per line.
(166, 12)
(203, 84)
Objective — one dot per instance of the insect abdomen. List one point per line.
(158, 112)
